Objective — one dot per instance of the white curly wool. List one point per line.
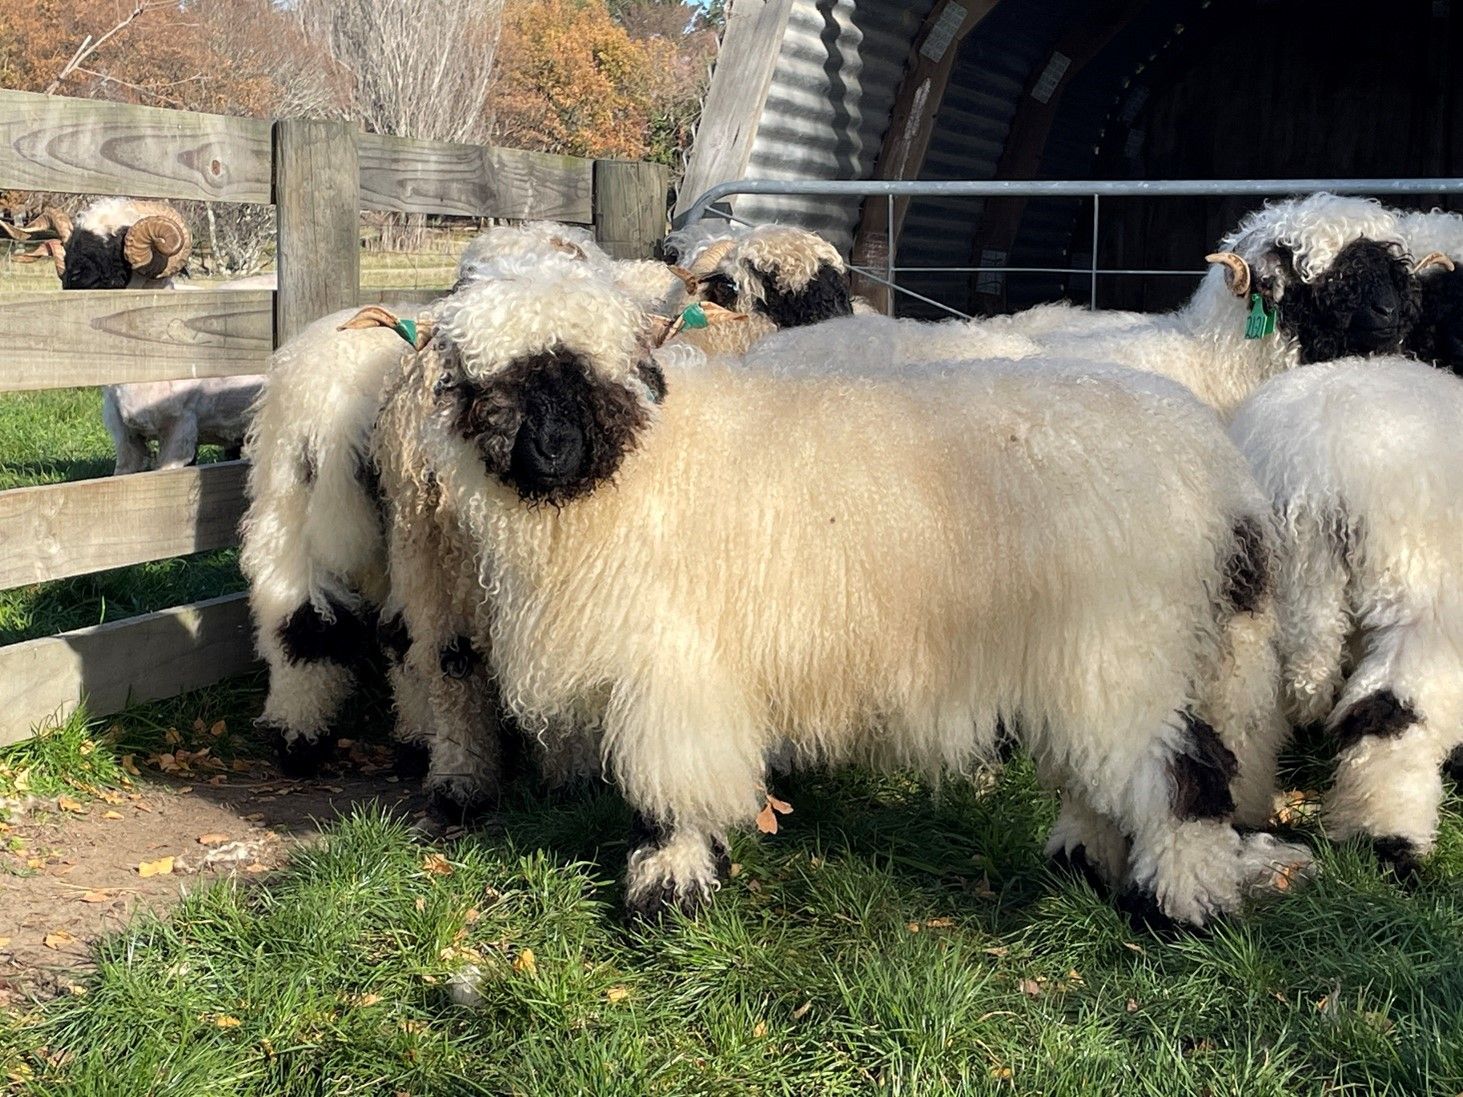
(870, 566)
(312, 537)
(1362, 463)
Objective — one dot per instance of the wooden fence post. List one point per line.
(317, 203)
(629, 206)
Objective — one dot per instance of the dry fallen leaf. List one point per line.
(759, 1030)
(1030, 987)
(436, 865)
(66, 803)
(212, 839)
(940, 923)
(802, 1010)
(4, 941)
(57, 939)
(1001, 1073)
(130, 766)
(163, 866)
(365, 1000)
(1132, 1006)
(735, 870)
(96, 897)
(218, 729)
(223, 1020)
(524, 963)
(913, 927)
(420, 904)
(111, 815)
(172, 736)
(767, 817)
(617, 994)
(997, 950)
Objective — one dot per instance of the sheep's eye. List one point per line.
(720, 290)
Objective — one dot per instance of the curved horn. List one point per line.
(54, 248)
(1432, 259)
(568, 247)
(52, 224)
(689, 280)
(710, 256)
(157, 245)
(1236, 271)
(417, 333)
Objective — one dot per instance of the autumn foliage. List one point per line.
(573, 80)
(583, 77)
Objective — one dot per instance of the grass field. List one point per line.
(892, 939)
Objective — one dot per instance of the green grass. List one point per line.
(805, 977)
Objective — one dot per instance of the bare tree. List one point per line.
(419, 68)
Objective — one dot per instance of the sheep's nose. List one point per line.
(1382, 312)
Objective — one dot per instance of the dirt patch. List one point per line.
(75, 871)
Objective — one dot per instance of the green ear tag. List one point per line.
(1261, 321)
(407, 329)
(693, 317)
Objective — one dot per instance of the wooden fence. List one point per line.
(318, 176)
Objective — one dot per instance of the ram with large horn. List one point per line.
(122, 243)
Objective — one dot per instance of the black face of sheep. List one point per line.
(548, 426)
(1438, 336)
(824, 296)
(94, 262)
(1367, 302)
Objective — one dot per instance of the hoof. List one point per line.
(1075, 863)
(1140, 908)
(652, 905)
(458, 807)
(1399, 857)
(409, 760)
(301, 756)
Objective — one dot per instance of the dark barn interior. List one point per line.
(1170, 89)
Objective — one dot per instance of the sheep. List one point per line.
(1437, 238)
(122, 243)
(788, 276)
(312, 542)
(1360, 459)
(313, 547)
(1332, 272)
(698, 560)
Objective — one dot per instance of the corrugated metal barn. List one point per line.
(1070, 89)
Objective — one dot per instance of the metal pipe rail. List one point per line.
(890, 190)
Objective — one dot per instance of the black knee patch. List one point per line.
(1200, 773)
(1399, 856)
(459, 658)
(1247, 573)
(1380, 714)
(309, 470)
(394, 639)
(308, 636)
(647, 833)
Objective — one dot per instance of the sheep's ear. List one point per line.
(1432, 259)
(1236, 271)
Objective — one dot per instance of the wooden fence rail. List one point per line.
(318, 176)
